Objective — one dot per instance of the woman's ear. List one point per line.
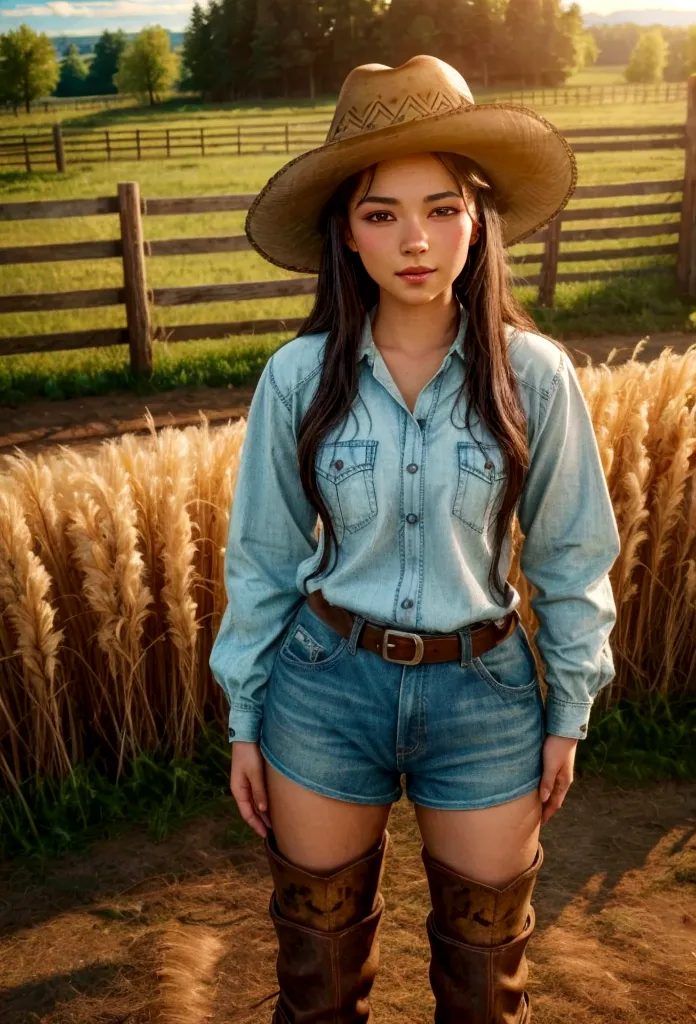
(349, 240)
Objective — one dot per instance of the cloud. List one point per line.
(97, 9)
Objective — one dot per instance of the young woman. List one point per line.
(415, 413)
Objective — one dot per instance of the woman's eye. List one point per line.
(380, 213)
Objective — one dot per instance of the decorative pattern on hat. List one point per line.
(379, 114)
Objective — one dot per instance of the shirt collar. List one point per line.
(367, 345)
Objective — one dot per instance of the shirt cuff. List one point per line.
(565, 718)
(244, 724)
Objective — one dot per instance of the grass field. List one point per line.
(581, 310)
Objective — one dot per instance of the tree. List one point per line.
(648, 59)
(198, 71)
(148, 66)
(28, 66)
(73, 74)
(689, 51)
(107, 53)
(588, 49)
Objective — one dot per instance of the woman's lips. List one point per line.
(416, 277)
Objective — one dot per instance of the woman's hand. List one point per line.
(248, 785)
(559, 757)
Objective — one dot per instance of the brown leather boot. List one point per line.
(477, 936)
(327, 929)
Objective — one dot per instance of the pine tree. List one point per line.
(198, 71)
(73, 74)
(107, 53)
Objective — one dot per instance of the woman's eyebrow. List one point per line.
(397, 202)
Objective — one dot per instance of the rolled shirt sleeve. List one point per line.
(571, 542)
(271, 531)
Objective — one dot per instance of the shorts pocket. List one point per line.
(346, 479)
(509, 668)
(310, 643)
(481, 476)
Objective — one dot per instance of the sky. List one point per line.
(90, 17)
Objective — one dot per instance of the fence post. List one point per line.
(58, 147)
(686, 251)
(134, 280)
(27, 158)
(549, 261)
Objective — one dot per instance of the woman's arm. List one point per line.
(571, 542)
(271, 531)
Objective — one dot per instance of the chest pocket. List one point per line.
(481, 477)
(346, 479)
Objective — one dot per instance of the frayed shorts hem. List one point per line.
(336, 794)
(472, 805)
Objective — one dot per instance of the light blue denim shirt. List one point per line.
(411, 496)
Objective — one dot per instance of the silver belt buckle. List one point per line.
(418, 656)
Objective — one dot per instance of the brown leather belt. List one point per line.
(405, 648)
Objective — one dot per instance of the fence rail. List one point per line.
(661, 92)
(60, 146)
(139, 299)
(555, 240)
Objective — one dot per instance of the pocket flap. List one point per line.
(488, 464)
(337, 460)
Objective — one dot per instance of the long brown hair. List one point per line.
(345, 292)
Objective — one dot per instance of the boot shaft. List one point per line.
(328, 945)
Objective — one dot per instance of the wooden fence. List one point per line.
(61, 147)
(660, 92)
(133, 249)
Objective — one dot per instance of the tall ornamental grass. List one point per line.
(111, 575)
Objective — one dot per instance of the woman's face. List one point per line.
(413, 215)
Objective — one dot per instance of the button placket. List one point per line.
(412, 519)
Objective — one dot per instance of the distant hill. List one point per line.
(655, 16)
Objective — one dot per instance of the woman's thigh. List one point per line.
(492, 845)
(317, 832)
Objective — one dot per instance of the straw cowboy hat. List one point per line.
(423, 105)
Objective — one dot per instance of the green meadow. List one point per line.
(633, 304)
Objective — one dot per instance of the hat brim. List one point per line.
(529, 163)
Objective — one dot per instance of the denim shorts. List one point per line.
(344, 722)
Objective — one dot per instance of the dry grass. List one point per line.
(111, 573)
(179, 932)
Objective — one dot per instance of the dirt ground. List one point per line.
(86, 421)
(178, 932)
(136, 928)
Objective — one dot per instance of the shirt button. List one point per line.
(489, 465)
(412, 467)
(338, 463)
(232, 733)
(412, 517)
(407, 603)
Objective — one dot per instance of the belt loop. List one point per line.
(358, 623)
(464, 635)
